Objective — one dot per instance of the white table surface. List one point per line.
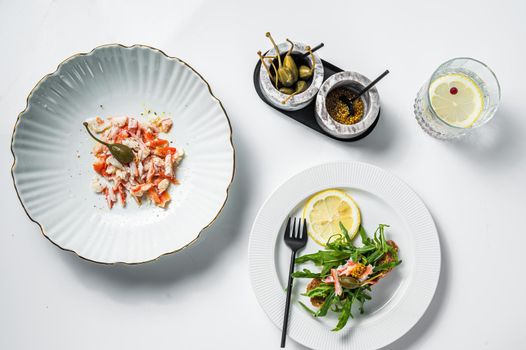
(201, 298)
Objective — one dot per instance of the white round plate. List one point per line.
(398, 301)
(52, 166)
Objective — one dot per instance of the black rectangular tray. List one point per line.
(306, 115)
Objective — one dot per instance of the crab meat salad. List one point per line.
(347, 272)
(132, 160)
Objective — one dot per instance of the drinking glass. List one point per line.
(481, 75)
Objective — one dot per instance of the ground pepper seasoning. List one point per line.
(339, 110)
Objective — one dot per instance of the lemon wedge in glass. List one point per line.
(325, 210)
(456, 99)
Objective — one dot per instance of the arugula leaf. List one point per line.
(309, 310)
(306, 273)
(335, 242)
(345, 232)
(320, 291)
(386, 266)
(326, 305)
(326, 270)
(344, 315)
(352, 301)
(393, 252)
(314, 257)
(323, 256)
(363, 235)
(365, 249)
(336, 308)
(375, 236)
(383, 243)
(361, 299)
(375, 256)
(364, 293)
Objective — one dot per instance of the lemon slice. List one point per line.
(325, 210)
(456, 99)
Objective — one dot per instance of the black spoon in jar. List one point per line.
(350, 102)
(314, 49)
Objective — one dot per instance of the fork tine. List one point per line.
(287, 229)
(296, 227)
(298, 233)
(304, 231)
(296, 230)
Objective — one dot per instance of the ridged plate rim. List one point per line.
(262, 265)
(54, 73)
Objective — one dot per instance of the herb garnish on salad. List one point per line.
(347, 272)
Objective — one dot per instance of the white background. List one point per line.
(201, 298)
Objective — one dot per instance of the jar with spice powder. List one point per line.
(332, 114)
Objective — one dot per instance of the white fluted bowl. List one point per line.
(52, 165)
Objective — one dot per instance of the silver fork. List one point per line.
(295, 238)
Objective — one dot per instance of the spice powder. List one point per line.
(339, 110)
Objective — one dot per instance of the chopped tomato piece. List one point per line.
(122, 135)
(153, 196)
(158, 143)
(99, 166)
(164, 151)
(165, 198)
(148, 136)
